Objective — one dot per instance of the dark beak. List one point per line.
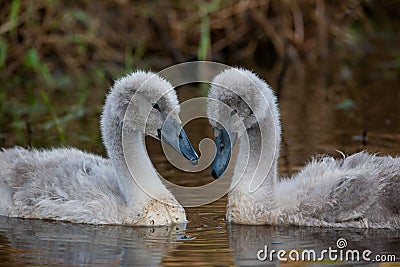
(173, 134)
(224, 143)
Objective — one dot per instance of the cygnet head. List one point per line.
(237, 101)
(145, 102)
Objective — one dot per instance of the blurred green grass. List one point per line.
(58, 58)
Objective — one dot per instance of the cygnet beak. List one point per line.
(224, 143)
(173, 134)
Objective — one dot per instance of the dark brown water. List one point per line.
(349, 110)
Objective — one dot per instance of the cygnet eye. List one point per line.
(156, 106)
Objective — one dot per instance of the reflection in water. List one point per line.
(209, 241)
(247, 240)
(40, 242)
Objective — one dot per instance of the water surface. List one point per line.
(320, 114)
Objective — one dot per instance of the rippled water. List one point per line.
(207, 241)
(320, 113)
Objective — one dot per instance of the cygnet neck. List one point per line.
(139, 181)
(257, 164)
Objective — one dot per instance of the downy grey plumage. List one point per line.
(361, 190)
(71, 185)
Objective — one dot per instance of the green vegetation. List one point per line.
(33, 62)
(57, 57)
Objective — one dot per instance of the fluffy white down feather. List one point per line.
(361, 190)
(71, 185)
